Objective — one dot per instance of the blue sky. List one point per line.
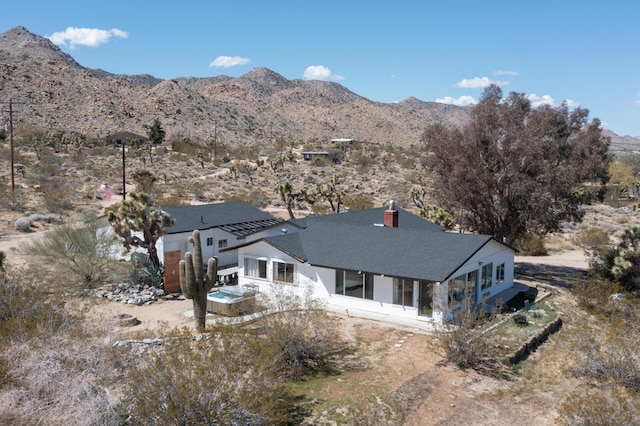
(587, 53)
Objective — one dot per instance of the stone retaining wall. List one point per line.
(533, 343)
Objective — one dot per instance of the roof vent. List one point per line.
(284, 230)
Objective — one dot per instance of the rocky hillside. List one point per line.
(56, 92)
(52, 90)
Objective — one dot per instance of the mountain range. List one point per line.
(50, 89)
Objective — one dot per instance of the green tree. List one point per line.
(138, 223)
(288, 196)
(155, 132)
(515, 169)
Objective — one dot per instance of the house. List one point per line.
(126, 137)
(346, 141)
(382, 260)
(221, 225)
(311, 155)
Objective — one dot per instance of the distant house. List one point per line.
(343, 141)
(312, 155)
(125, 137)
(386, 261)
(221, 225)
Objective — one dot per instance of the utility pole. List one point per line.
(10, 111)
(13, 182)
(124, 183)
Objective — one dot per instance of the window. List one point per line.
(209, 241)
(283, 272)
(500, 274)
(457, 288)
(255, 268)
(425, 298)
(463, 286)
(487, 276)
(402, 292)
(354, 284)
(222, 244)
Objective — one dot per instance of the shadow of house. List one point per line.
(553, 275)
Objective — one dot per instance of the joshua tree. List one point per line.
(193, 283)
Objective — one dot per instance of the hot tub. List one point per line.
(231, 301)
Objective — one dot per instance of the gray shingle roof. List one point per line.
(408, 253)
(237, 217)
(406, 219)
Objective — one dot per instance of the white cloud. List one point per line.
(571, 103)
(461, 101)
(92, 37)
(479, 82)
(228, 61)
(320, 72)
(501, 72)
(537, 101)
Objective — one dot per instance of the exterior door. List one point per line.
(172, 272)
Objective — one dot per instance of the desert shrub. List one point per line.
(210, 381)
(52, 370)
(592, 240)
(22, 224)
(612, 356)
(27, 308)
(171, 200)
(359, 202)
(256, 197)
(57, 195)
(593, 292)
(464, 342)
(85, 253)
(531, 245)
(600, 407)
(302, 338)
(336, 155)
(12, 200)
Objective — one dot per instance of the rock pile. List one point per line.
(126, 293)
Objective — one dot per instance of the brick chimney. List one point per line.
(391, 215)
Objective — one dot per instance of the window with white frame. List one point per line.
(354, 284)
(209, 241)
(222, 244)
(283, 272)
(403, 292)
(487, 276)
(255, 268)
(463, 286)
(500, 274)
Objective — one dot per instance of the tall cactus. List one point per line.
(193, 283)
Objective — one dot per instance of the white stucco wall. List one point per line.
(321, 281)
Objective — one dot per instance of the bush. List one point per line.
(52, 371)
(464, 343)
(600, 407)
(210, 381)
(531, 245)
(301, 337)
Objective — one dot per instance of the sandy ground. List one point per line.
(398, 354)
